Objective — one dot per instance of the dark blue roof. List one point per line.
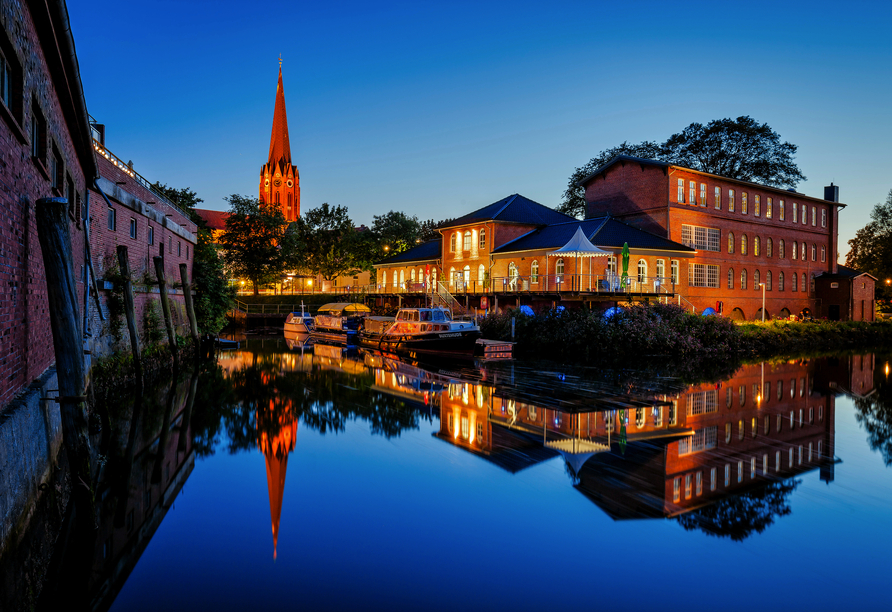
(513, 209)
(602, 231)
(423, 252)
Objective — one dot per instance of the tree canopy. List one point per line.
(871, 248)
(256, 244)
(739, 148)
(329, 245)
(184, 198)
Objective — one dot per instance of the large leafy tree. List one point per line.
(874, 414)
(395, 232)
(213, 295)
(871, 248)
(429, 229)
(256, 243)
(184, 198)
(329, 245)
(739, 148)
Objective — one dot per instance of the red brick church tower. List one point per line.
(279, 180)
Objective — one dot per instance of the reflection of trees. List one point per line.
(874, 414)
(740, 516)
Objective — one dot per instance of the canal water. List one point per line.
(311, 477)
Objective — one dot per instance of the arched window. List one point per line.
(802, 284)
(452, 244)
(481, 274)
(768, 245)
(780, 281)
(412, 275)
(433, 277)
(402, 279)
(466, 243)
(768, 280)
(804, 250)
(534, 271)
(780, 249)
(467, 276)
(756, 280)
(743, 244)
(483, 238)
(730, 278)
(452, 276)
(757, 244)
(731, 243)
(814, 252)
(396, 280)
(661, 269)
(512, 275)
(743, 279)
(559, 269)
(795, 250)
(642, 271)
(823, 254)
(794, 277)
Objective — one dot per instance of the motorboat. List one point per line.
(339, 321)
(299, 322)
(420, 330)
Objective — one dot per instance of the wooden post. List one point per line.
(165, 308)
(130, 312)
(165, 429)
(185, 428)
(190, 311)
(55, 245)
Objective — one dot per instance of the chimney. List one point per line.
(831, 193)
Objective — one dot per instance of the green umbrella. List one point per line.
(625, 278)
(622, 432)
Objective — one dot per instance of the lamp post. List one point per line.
(763, 301)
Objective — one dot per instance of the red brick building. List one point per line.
(746, 235)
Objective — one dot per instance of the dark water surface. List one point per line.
(311, 478)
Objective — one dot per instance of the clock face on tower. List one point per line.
(277, 182)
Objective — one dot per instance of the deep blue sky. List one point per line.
(439, 108)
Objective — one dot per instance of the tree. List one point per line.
(429, 229)
(874, 414)
(328, 243)
(184, 198)
(739, 148)
(213, 295)
(256, 244)
(395, 232)
(871, 248)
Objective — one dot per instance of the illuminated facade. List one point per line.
(279, 180)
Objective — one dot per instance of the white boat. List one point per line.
(420, 330)
(299, 322)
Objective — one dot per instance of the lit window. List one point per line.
(795, 209)
(718, 198)
(730, 243)
(483, 238)
(466, 243)
(692, 192)
(452, 243)
(768, 208)
(757, 205)
(642, 271)
(673, 268)
(780, 249)
(757, 244)
(743, 204)
(730, 278)
(780, 209)
(743, 279)
(743, 244)
(730, 200)
(559, 269)
(702, 194)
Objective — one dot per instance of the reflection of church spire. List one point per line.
(278, 433)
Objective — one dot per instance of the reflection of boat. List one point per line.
(299, 322)
(420, 330)
(339, 321)
(298, 341)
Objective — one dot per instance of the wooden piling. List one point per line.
(190, 310)
(165, 429)
(55, 245)
(130, 315)
(165, 308)
(185, 425)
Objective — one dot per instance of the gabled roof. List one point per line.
(214, 219)
(846, 272)
(426, 251)
(513, 209)
(601, 231)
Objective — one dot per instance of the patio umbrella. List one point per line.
(579, 246)
(625, 278)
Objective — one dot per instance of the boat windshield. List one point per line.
(425, 315)
(438, 315)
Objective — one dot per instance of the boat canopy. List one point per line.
(342, 309)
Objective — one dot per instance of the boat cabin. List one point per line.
(424, 315)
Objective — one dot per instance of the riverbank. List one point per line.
(667, 331)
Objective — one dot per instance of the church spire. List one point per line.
(279, 147)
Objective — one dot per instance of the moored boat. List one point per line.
(420, 330)
(339, 321)
(299, 322)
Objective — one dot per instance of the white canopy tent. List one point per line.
(579, 246)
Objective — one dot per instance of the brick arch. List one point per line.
(785, 313)
(758, 316)
(737, 314)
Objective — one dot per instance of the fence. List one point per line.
(550, 283)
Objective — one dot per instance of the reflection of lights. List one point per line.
(887, 369)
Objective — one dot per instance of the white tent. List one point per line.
(580, 246)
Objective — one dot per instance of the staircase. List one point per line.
(440, 296)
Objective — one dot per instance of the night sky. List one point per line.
(436, 109)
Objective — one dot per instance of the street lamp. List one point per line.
(763, 301)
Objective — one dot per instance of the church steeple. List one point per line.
(279, 180)
(278, 435)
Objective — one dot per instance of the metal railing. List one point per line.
(269, 309)
(551, 283)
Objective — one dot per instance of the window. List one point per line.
(823, 254)
(676, 489)
(57, 169)
(804, 249)
(740, 471)
(780, 281)
(795, 209)
(757, 244)
(727, 433)
(780, 249)
(756, 281)
(814, 216)
(743, 279)
(112, 222)
(681, 191)
(718, 198)
(151, 235)
(767, 208)
(743, 206)
(741, 429)
(730, 278)
(701, 238)
(482, 243)
(752, 467)
(481, 273)
(768, 280)
(823, 217)
(642, 271)
(698, 486)
(795, 250)
(187, 257)
(730, 243)
(768, 247)
(559, 268)
(702, 194)
(814, 252)
(452, 243)
(692, 192)
(727, 474)
(757, 205)
(743, 244)
(534, 271)
(179, 248)
(780, 209)
(673, 269)
(804, 211)
(795, 278)
(730, 200)
(466, 243)
(38, 133)
(687, 486)
(703, 402)
(661, 269)
(611, 264)
(703, 275)
(132, 227)
(9, 80)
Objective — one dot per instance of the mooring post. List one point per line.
(187, 414)
(165, 429)
(190, 310)
(130, 314)
(165, 308)
(55, 245)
